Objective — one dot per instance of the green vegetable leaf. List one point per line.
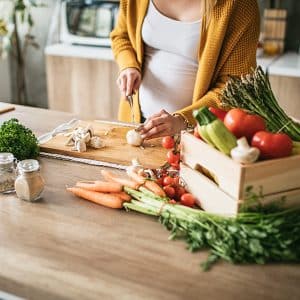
(18, 140)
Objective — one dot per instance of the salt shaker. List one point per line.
(29, 183)
(7, 173)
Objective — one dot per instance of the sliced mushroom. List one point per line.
(96, 142)
(80, 145)
(70, 141)
(87, 137)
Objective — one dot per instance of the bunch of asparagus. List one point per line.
(251, 237)
(253, 93)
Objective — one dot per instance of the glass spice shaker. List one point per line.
(7, 173)
(29, 183)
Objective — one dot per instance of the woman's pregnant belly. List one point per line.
(168, 82)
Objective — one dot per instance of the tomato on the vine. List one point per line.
(168, 142)
(168, 180)
(172, 201)
(179, 190)
(159, 181)
(175, 166)
(169, 190)
(176, 180)
(173, 157)
(187, 199)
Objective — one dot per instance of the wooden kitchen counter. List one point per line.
(66, 248)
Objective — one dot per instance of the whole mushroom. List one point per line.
(134, 138)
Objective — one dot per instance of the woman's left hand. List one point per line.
(162, 124)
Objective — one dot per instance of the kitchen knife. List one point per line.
(130, 100)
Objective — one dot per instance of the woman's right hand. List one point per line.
(129, 81)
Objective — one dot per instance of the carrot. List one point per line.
(155, 188)
(100, 186)
(109, 176)
(107, 200)
(135, 176)
(125, 197)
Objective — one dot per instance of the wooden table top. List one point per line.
(67, 248)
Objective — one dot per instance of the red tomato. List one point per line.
(196, 133)
(172, 201)
(168, 142)
(175, 166)
(242, 124)
(187, 199)
(219, 113)
(168, 180)
(179, 191)
(173, 157)
(169, 190)
(160, 181)
(272, 145)
(176, 180)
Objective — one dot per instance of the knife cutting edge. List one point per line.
(130, 100)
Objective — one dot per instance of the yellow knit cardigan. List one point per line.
(227, 47)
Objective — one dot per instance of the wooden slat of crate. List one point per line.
(197, 153)
(212, 199)
(207, 193)
(275, 176)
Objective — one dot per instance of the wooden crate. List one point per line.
(226, 189)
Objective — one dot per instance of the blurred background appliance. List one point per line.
(88, 22)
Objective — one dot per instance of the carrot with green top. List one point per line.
(109, 176)
(111, 201)
(124, 196)
(100, 186)
(154, 188)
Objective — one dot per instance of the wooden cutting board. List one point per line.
(116, 149)
(6, 108)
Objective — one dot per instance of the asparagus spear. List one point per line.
(253, 93)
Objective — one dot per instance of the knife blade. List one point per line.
(130, 100)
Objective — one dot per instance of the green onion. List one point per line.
(270, 234)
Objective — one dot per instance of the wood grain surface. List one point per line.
(6, 107)
(116, 149)
(86, 87)
(66, 248)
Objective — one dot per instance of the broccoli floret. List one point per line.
(18, 140)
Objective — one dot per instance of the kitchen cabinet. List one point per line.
(82, 80)
(284, 74)
(287, 91)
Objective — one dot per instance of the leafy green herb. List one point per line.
(261, 236)
(18, 140)
(253, 93)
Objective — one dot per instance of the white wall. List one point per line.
(5, 94)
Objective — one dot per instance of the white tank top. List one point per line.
(170, 62)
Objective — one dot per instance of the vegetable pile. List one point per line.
(264, 234)
(253, 93)
(254, 127)
(247, 128)
(15, 138)
(268, 235)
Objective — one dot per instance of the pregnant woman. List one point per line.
(175, 56)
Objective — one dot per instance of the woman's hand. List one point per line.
(129, 81)
(162, 124)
